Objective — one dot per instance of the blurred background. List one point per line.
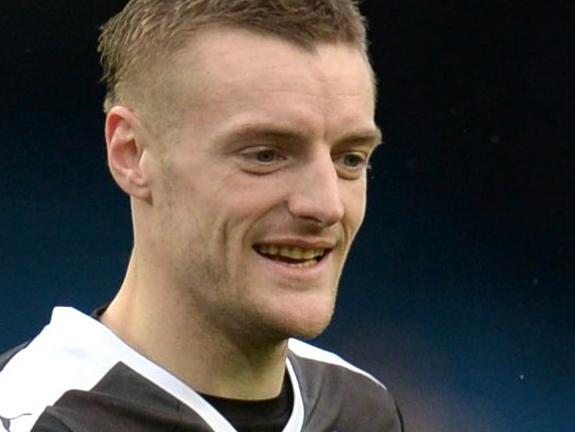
(459, 294)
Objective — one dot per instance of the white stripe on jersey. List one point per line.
(305, 350)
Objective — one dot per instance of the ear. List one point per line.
(126, 151)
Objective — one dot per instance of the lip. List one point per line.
(290, 272)
(304, 243)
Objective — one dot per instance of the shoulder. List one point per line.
(63, 356)
(304, 351)
(336, 387)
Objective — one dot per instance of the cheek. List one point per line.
(250, 197)
(354, 199)
(229, 215)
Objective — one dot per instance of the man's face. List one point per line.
(259, 200)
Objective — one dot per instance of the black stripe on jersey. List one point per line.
(339, 399)
(122, 401)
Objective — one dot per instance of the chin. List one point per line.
(309, 332)
(304, 321)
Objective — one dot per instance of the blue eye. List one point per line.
(265, 156)
(262, 159)
(352, 165)
(353, 160)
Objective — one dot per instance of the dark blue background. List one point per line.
(459, 293)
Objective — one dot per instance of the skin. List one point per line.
(273, 150)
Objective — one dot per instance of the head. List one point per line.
(242, 130)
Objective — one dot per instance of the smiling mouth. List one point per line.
(292, 256)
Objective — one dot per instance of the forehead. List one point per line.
(239, 75)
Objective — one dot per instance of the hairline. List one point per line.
(153, 61)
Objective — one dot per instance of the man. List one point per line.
(241, 130)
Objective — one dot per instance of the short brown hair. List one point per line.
(146, 32)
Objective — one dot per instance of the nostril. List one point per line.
(316, 194)
(324, 211)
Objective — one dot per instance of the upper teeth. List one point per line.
(291, 252)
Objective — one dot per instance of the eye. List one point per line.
(353, 160)
(265, 156)
(262, 155)
(262, 159)
(351, 165)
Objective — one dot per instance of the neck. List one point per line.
(157, 324)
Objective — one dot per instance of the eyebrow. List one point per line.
(289, 134)
(371, 136)
(273, 132)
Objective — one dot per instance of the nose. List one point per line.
(316, 194)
